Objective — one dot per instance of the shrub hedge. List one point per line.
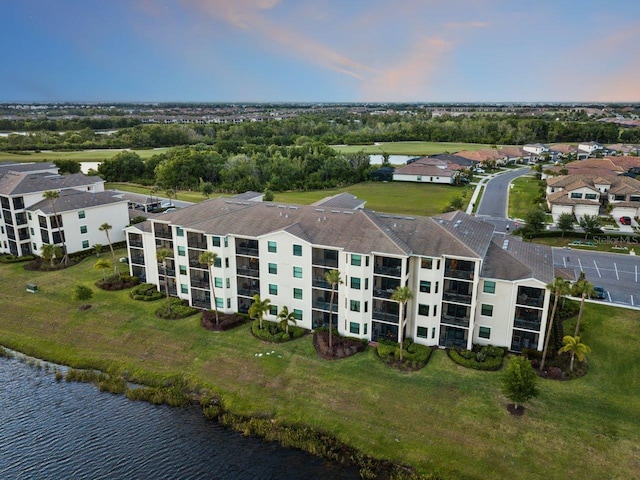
(179, 309)
(481, 358)
(414, 356)
(272, 332)
(146, 292)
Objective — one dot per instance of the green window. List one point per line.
(179, 232)
(32, 231)
(273, 310)
(85, 243)
(487, 310)
(489, 287)
(272, 247)
(83, 229)
(423, 310)
(215, 241)
(297, 272)
(220, 302)
(354, 305)
(80, 214)
(218, 262)
(484, 332)
(273, 289)
(297, 293)
(366, 284)
(183, 269)
(273, 268)
(297, 250)
(355, 283)
(297, 314)
(217, 282)
(425, 287)
(181, 251)
(184, 288)
(354, 327)
(356, 260)
(423, 332)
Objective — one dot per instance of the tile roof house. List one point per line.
(467, 288)
(428, 170)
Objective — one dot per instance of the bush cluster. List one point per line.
(178, 309)
(14, 259)
(118, 282)
(414, 356)
(485, 357)
(146, 292)
(272, 332)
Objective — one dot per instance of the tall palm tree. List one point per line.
(162, 255)
(259, 307)
(209, 258)
(575, 347)
(105, 227)
(584, 289)
(333, 278)
(559, 288)
(286, 317)
(52, 196)
(171, 193)
(103, 264)
(401, 295)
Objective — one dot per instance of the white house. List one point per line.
(426, 170)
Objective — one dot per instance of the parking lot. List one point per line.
(619, 274)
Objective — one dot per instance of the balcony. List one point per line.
(160, 233)
(457, 321)
(388, 271)
(201, 303)
(135, 243)
(194, 263)
(453, 296)
(248, 272)
(244, 249)
(200, 283)
(455, 273)
(325, 262)
(383, 293)
(384, 316)
(527, 324)
(137, 259)
(249, 292)
(320, 282)
(196, 240)
(320, 304)
(530, 301)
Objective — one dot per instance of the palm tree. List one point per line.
(52, 196)
(259, 307)
(401, 295)
(584, 289)
(333, 278)
(162, 255)
(97, 249)
(49, 252)
(286, 317)
(559, 287)
(209, 259)
(105, 227)
(103, 264)
(575, 347)
(170, 192)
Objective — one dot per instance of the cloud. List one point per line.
(466, 25)
(412, 76)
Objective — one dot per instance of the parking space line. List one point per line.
(632, 304)
(616, 267)
(580, 263)
(609, 295)
(636, 273)
(564, 260)
(597, 269)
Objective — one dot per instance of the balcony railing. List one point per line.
(527, 324)
(200, 283)
(389, 271)
(200, 303)
(135, 243)
(387, 317)
(453, 342)
(454, 273)
(325, 262)
(530, 301)
(382, 293)
(197, 264)
(321, 283)
(253, 252)
(196, 244)
(322, 305)
(456, 297)
(248, 292)
(248, 272)
(457, 321)
(137, 259)
(164, 234)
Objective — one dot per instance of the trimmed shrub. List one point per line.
(414, 356)
(484, 358)
(115, 282)
(272, 332)
(146, 292)
(179, 309)
(14, 259)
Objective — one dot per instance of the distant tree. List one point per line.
(67, 166)
(103, 264)
(170, 193)
(50, 252)
(590, 224)
(519, 381)
(401, 295)
(125, 166)
(82, 293)
(207, 189)
(97, 249)
(575, 348)
(565, 222)
(268, 195)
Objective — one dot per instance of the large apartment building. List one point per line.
(28, 220)
(469, 287)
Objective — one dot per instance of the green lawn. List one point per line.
(80, 156)
(410, 148)
(521, 194)
(444, 419)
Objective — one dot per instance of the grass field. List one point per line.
(80, 156)
(444, 418)
(410, 148)
(521, 195)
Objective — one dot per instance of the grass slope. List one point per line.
(80, 156)
(521, 195)
(444, 418)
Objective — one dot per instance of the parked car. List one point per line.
(625, 220)
(599, 292)
(166, 205)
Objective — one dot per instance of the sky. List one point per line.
(320, 50)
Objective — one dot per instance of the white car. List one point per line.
(166, 205)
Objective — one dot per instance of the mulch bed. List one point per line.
(341, 347)
(227, 321)
(38, 265)
(515, 411)
(115, 285)
(85, 306)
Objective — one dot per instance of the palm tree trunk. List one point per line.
(166, 288)
(571, 363)
(213, 291)
(548, 336)
(400, 329)
(579, 316)
(331, 320)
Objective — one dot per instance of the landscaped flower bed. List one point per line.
(480, 358)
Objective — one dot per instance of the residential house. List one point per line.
(428, 170)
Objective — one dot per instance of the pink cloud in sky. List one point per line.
(411, 77)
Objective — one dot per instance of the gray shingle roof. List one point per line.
(538, 258)
(70, 200)
(342, 200)
(27, 167)
(18, 183)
